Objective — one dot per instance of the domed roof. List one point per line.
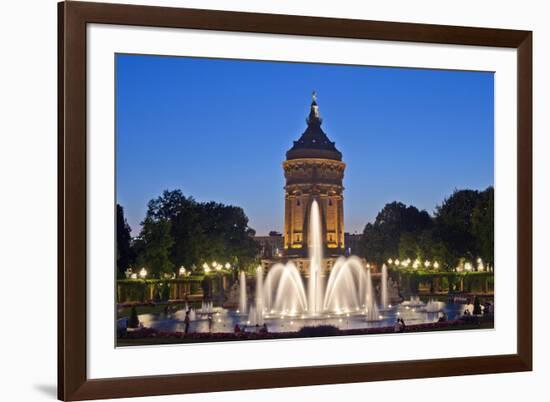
(314, 143)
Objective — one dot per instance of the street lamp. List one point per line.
(182, 271)
(480, 266)
(227, 265)
(142, 273)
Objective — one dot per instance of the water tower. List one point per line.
(313, 170)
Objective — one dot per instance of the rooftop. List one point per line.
(314, 143)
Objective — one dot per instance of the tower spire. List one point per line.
(314, 117)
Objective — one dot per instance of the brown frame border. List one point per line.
(73, 383)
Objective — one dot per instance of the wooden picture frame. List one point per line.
(73, 17)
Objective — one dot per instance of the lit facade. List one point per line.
(313, 169)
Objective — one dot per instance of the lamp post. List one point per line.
(143, 273)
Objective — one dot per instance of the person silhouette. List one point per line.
(187, 321)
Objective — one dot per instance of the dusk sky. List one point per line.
(219, 130)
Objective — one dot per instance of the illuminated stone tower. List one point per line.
(313, 170)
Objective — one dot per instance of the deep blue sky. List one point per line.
(219, 129)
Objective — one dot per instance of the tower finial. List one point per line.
(314, 116)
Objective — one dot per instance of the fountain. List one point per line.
(384, 288)
(259, 295)
(207, 307)
(315, 285)
(372, 309)
(434, 306)
(414, 301)
(243, 307)
(284, 290)
(181, 314)
(252, 316)
(348, 288)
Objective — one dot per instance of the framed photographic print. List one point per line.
(252, 200)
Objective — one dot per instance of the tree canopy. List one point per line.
(125, 255)
(461, 227)
(179, 231)
(382, 239)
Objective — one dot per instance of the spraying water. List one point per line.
(348, 290)
(260, 295)
(284, 290)
(372, 309)
(315, 285)
(252, 316)
(243, 307)
(384, 287)
(346, 287)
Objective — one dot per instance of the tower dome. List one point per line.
(314, 143)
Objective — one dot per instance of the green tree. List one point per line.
(228, 236)
(185, 229)
(204, 232)
(381, 240)
(483, 225)
(454, 226)
(462, 228)
(156, 244)
(125, 255)
(409, 246)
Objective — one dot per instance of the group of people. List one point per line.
(237, 329)
(399, 325)
(259, 329)
(187, 321)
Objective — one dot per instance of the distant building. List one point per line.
(353, 243)
(313, 171)
(271, 246)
